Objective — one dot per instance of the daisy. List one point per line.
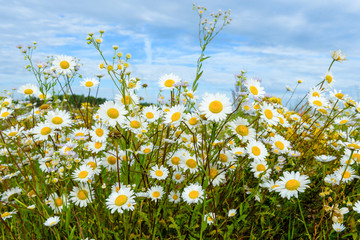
(121, 200)
(151, 113)
(9, 195)
(7, 215)
(155, 193)
(28, 89)
(136, 125)
(239, 126)
(159, 173)
(329, 78)
(338, 227)
(13, 131)
(217, 176)
(6, 102)
(193, 193)
(89, 82)
(347, 174)
(316, 92)
(178, 177)
(5, 113)
(174, 197)
(259, 167)
(83, 174)
(63, 64)
(99, 132)
(133, 83)
(57, 203)
(167, 81)
(338, 55)
(269, 115)
(215, 106)
(325, 158)
(256, 150)
(175, 115)
(209, 218)
(127, 99)
(58, 119)
(190, 163)
(232, 212)
(94, 164)
(291, 184)
(96, 147)
(112, 113)
(342, 120)
(269, 184)
(318, 102)
(52, 221)
(192, 120)
(254, 88)
(81, 196)
(80, 134)
(280, 143)
(356, 207)
(43, 96)
(238, 151)
(226, 158)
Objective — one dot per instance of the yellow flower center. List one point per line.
(45, 131)
(353, 145)
(213, 172)
(339, 95)
(58, 202)
(275, 186)
(98, 145)
(110, 68)
(215, 106)
(328, 78)
(193, 194)
(12, 134)
(268, 114)
(175, 160)
(5, 114)
(347, 174)
(256, 150)
(169, 83)
(28, 91)
(279, 145)
(99, 132)
(191, 163)
(260, 168)
(156, 194)
(159, 173)
(80, 134)
(178, 176)
(292, 184)
(316, 94)
(223, 158)
(175, 197)
(343, 121)
(89, 84)
(356, 156)
(113, 113)
(5, 214)
(135, 124)
(121, 200)
(126, 100)
(82, 194)
(146, 150)
(149, 115)
(193, 121)
(57, 120)
(64, 64)
(83, 174)
(111, 160)
(190, 95)
(93, 165)
(242, 130)
(317, 103)
(254, 90)
(176, 116)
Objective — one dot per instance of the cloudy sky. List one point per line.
(277, 41)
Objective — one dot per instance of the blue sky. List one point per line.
(276, 41)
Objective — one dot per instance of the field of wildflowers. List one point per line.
(186, 167)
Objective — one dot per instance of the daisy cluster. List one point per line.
(184, 152)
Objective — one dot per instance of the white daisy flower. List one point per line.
(356, 207)
(167, 81)
(5, 113)
(269, 114)
(63, 64)
(174, 197)
(83, 174)
(155, 193)
(96, 147)
(291, 184)
(28, 89)
(232, 212)
(57, 203)
(129, 98)
(81, 196)
(112, 113)
(193, 193)
(239, 126)
(52, 221)
(151, 113)
(121, 200)
(209, 218)
(256, 150)
(159, 173)
(254, 88)
(175, 115)
(338, 227)
(178, 177)
(89, 82)
(189, 162)
(110, 161)
(215, 106)
(99, 132)
(94, 163)
(58, 119)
